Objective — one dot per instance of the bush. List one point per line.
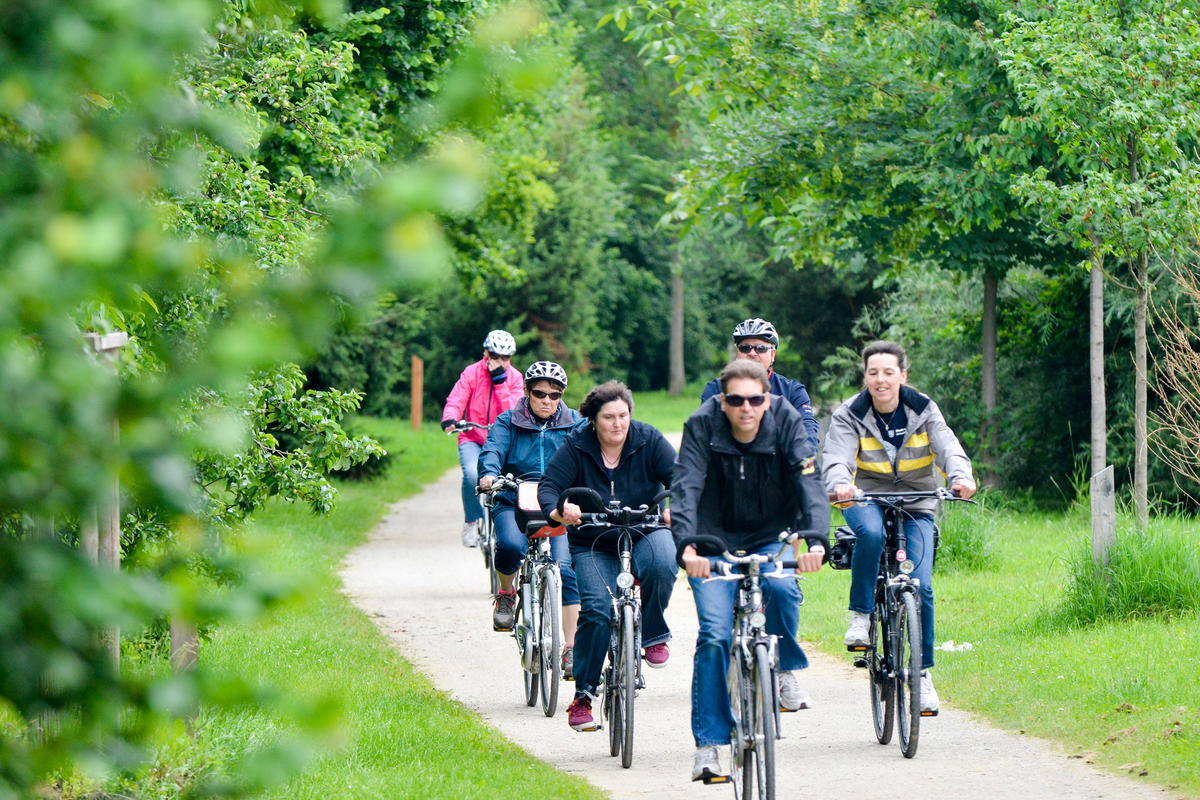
(1148, 574)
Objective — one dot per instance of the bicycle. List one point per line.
(487, 536)
(753, 665)
(538, 625)
(622, 676)
(892, 656)
(487, 529)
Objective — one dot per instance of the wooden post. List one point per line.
(418, 391)
(108, 535)
(1104, 515)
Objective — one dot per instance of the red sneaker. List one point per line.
(579, 714)
(657, 655)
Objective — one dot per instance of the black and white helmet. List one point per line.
(501, 343)
(756, 328)
(546, 371)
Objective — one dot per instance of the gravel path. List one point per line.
(440, 621)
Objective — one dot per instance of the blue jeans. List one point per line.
(468, 459)
(712, 719)
(511, 544)
(867, 522)
(596, 573)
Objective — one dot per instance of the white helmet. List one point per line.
(756, 328)
(501, 343)
(546, 371)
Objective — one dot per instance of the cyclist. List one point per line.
(626, 460)
(890, 437)
(757, 340)
(483, 391)
(746, 471)
(521, 442)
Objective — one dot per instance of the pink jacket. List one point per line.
(475, 398)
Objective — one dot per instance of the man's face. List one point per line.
(766, 357)
(746, 417)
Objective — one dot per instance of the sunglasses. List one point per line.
(540, 395)
(754, 348)
(736, 400)
(497, 356)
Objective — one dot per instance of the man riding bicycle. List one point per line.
(746, 471)
(890, 437)
(521, 443)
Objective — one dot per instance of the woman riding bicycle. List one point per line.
(483, 391)
(890, 437)
(521, 443)
(625, 460)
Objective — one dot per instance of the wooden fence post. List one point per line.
(418, 391)
(1104, 515)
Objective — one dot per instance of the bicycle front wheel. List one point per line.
(883, 695)
(550, 610)
(627, 680)
(529, 629)
(740, 764)
(908, 673)
(762, 711)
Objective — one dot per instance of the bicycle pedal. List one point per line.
(856, 648)
(861, 663)
(501, 630)
(709, 779)
(929, 713)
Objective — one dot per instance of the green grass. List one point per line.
(1123, 693)
(665, 412)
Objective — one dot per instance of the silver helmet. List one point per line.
(546, 371)
(756, 328)
(500, 342)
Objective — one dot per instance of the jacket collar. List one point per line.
(860, 406)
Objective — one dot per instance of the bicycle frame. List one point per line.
(536, 646)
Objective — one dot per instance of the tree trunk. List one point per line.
(1141, 483)
(988, 445)
(675, 385)
(1099, 434)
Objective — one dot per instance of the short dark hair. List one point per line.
(884, 346)
(605, 393)
(745, 368)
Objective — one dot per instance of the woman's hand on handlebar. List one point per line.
(486, 481)
(963, 488)
(844, 492)
(697, 566)
(570, 514)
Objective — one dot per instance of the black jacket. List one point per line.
(644, 468)
(748, 495)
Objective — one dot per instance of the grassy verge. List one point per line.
(664, 412)
(1121, 694)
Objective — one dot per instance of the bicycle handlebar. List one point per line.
(499, 484)
(614, 514)
(464, 425)
(719, 545)
(900, 498)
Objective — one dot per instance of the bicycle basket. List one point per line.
(843, 548)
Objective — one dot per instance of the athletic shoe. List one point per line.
(707, 764)
(859, 632)
(657, 655)
(503, 617)
(579, 714)
(470, 534)
(568, 663)
(929, 698)
(791, 696)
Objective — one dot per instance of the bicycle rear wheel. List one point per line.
(883, 695)
(527, 627)
(550, 642)
(627, 680)
(908, 673)
(762, 710)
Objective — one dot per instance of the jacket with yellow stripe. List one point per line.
(855, 452)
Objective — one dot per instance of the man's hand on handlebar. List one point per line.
(570, 514)
(697, 566)
(810, 561)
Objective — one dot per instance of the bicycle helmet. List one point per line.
(501, 343)
(756, 328)
(546, 371)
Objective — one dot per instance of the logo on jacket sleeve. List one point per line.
(808, 466)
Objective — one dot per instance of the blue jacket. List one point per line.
(520, 445)
(793, 391)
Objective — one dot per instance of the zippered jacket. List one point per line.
(931, 455)
(521, 445)
(476, 399)
(748, 494)
(644, 469)
(793, 391)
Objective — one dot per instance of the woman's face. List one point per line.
(884, 378)
(612, 423)
(544, 397)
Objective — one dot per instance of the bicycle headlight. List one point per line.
(907, 566)
(625, 580)
(758, 619)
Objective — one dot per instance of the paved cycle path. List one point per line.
(428, 595)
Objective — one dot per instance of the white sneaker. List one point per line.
(791, 696)
(859, 632)
(707, 764)
(929, 697)
(470, 534)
